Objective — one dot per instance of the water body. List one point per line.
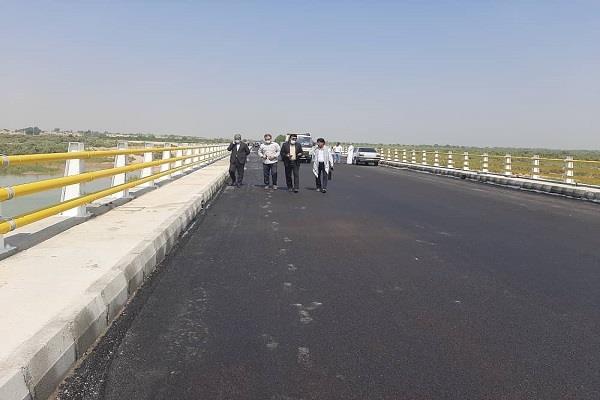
(25, 204)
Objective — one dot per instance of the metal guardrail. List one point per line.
(73, 200)
(568, 170)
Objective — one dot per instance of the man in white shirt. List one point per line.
(337, 153)
(269, 153)
(322, 164)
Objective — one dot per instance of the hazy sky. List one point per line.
(507, 73)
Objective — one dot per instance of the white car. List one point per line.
(365, 155)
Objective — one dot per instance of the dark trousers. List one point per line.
(236, 167)
(322, 178)
(292, 168)
(270, 170)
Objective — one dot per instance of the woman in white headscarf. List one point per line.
(322, 164)
(350, 154)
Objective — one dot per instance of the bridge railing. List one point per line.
(565, 170)
(156, 162)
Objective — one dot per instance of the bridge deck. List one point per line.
(394, 285)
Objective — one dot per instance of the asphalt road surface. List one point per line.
(393, 285)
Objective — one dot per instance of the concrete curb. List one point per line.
(38, 365)
(576, 192)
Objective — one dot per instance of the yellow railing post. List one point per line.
(404, 156)
(466, 166)
(450, 162)
(73, 167)
(436, 158)
(424, 157)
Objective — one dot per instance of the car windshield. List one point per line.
(305, 140)
(367, 150)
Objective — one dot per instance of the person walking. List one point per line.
(350, 155)
(337, 153)
(269, 153)
(237, 161)
(322, 164)
(290, 154)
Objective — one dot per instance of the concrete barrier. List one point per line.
(58, 297)
(562, 189)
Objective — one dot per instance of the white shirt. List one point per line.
(271, 151)
(321, 155)
(237, 147)
(337, 149)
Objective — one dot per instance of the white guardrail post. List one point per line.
(424, 157)
(166, 154)
(466, 166)
(436, 158)
(146, 172)
(569, 171)
(204, 154)
(396, 155)
(413, 157)
(178, 163)
(535, 167)
(187, 161)
(389, 154)
(508, 165)
(485, 163)
(73, 167)
(119, 179)
(404, 156)
(450, 160)
(196, 153)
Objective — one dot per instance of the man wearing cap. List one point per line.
(290, 154)
(239, 152)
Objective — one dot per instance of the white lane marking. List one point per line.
(269, 341)
(304, 356)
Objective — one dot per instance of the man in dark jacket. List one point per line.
(239, 152)
(290, 154)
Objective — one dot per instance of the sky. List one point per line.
(481, 73)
